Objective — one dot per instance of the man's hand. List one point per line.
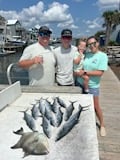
(38, 60)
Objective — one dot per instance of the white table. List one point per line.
(79, 144)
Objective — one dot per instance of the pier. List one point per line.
(109, 146)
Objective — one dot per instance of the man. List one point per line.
(64, 55)
(39, 59)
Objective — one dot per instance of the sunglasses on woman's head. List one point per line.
(92, 44)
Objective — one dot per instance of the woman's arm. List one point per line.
(94, 73)
(89, 73)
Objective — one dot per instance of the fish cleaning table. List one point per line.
(79, 144)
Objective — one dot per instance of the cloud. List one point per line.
(39, 15)
(108, 4)
(96, 23)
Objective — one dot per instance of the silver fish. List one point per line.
(55, 105)
(68, 111)
(72, 121)
(59, 117)
(50, 115)
(32, 143)
(35, 111)
(29, 120)
(43, 104)
(61, 102)
(46, 127)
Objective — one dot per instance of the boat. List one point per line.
(3, 51)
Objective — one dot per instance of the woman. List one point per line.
(95, 64)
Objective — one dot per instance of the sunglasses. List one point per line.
(92, 44)
(67, 37)
(44, 34)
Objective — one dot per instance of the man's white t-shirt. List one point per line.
(40, 74)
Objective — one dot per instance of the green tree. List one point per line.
(99, 33)
(111, 20)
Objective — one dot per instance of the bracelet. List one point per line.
(85, 73)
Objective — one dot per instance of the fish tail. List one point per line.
(20, 131)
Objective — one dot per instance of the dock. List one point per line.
(109, 146)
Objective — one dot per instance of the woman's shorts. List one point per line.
(94, 91)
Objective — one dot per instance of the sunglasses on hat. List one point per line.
(44, 34)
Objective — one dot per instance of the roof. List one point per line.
(12, 21)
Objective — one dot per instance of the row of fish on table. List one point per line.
(57, 119)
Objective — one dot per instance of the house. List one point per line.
(15, 29)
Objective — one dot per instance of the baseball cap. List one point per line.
(44, 29)
(66, 32)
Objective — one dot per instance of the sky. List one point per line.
(83, 17)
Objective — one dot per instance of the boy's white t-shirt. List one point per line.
(64, 59)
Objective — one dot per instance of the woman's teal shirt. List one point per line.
(95, 61)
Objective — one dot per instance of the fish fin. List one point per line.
(13, 147)
(20, 131)
(25, 154)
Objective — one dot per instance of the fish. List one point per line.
(61, 102)
(55, 105)
(43, 104)
(69, 124)
(46, 127)
(29, 120)
(68, 111)
(59, 117)
(32, 143)
(50, 115)
(35, 111)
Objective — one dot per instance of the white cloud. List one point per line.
(39, 15)
(96, 23)
(57, 12)
(108, 4)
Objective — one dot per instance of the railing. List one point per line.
(113, 53)
(15, 73)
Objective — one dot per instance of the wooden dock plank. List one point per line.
(109, 146)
